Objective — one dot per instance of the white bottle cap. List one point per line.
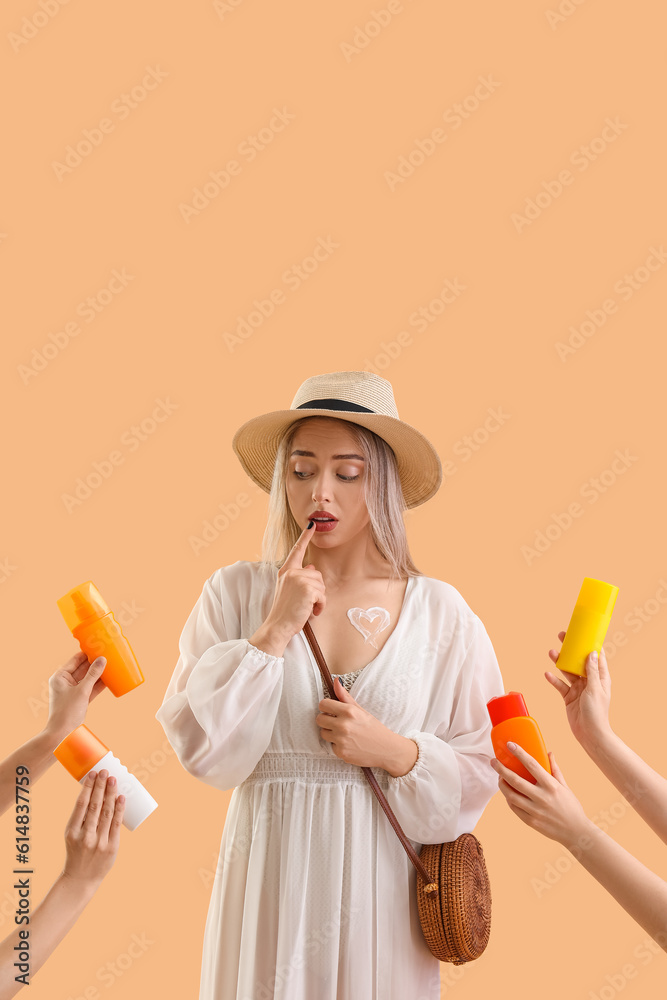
(82, 751)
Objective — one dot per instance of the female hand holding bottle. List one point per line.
(587, 704)
(72, 687)
(92, 837)
(586, 698)
(549, 806)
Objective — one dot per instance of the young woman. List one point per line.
(314, 895)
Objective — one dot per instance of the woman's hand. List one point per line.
(92, 837)
(300, 590)
(93, 831)
(71, 689)
(549, 806)
(357, 736)
(586, 698)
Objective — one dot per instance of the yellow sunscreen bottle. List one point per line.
(588, 625)
(92, 623)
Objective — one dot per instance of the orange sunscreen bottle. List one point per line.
(588, 625)
(81, 751)
(92, 623)
(511, 721)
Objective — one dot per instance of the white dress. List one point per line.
(314, 896)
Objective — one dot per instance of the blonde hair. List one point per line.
(382, 493)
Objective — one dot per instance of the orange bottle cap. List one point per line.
(80, 751)
(506, 706)
(81, 604)
(596, 595)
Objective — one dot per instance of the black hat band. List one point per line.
(333, 404)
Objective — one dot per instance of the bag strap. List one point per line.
(430, 886)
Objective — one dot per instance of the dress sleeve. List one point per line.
(452, 781)
(222, 700)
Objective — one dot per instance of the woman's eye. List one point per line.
(347, 479)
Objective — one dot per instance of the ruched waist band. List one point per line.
(313, 768)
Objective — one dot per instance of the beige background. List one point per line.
(219, 73)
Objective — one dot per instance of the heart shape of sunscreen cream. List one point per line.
(370, 623)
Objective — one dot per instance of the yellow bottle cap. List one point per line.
(80, 751)
(81, 604)
(596, 595)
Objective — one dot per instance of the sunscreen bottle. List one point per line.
(588, 625)
(91, 621)
(510, 720)
(81, 752)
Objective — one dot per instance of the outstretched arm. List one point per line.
(71, 689)
(551, 808)
(36, 754)
(92, 837)
(587, 704)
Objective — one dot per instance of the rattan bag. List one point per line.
(453, 889)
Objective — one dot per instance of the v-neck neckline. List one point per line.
(363, 670)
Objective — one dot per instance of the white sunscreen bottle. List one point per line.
(81, 752)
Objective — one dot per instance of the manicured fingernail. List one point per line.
(511, 746)
(92, 775)
(310, 524)
(111, 781)
(594, 656)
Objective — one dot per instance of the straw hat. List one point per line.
(362, 398)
